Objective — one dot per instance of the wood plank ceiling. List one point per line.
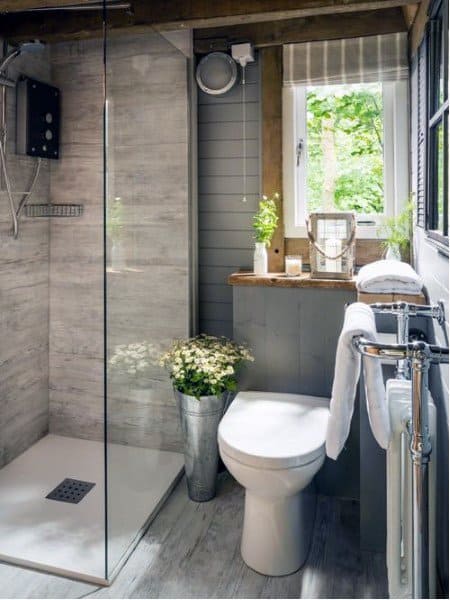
(265, 22)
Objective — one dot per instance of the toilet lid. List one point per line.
(276, 431)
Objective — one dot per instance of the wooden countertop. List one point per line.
(280, 280)
(305, 281)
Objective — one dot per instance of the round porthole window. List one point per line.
(216, 73)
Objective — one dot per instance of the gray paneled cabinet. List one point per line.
(293, 334)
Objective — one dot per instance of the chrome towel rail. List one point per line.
(403, 311)
(419, 355)
(395, 352)
(411, 310)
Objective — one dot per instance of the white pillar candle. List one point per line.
(333, 246)
(293, 266)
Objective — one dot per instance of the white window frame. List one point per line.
(396, 159)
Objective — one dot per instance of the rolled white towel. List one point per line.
(388, 277)
(359, 320)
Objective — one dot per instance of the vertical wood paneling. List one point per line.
(225, 234)
(271, 143)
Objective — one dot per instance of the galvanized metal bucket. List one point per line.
(199, 423)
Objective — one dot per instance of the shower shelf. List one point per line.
(54, 210)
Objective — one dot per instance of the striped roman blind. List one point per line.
(353, 60)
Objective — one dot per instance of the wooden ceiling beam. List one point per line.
(417, 29)
(301, 30)
(409, 12)
(22, 5)
(164, 15)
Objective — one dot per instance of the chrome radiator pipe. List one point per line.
(420, 355)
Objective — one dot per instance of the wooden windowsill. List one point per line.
(280, 280)
(305, 281)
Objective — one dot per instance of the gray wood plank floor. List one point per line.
(192, 551)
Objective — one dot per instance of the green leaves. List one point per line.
(266, 219)
(397, 231)
(353, 117)
(204, 365)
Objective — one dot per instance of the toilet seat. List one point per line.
(274, 431)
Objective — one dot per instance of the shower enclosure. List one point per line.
(90, 444)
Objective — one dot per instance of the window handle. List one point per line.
(299, 149)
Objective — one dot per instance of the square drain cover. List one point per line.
(70, 490)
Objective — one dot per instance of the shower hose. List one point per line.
(15, 213)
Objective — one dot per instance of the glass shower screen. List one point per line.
(146, 274)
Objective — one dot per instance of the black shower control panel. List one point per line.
(38, 118)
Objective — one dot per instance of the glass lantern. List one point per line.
(332, 245)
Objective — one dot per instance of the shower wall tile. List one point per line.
(24, 361)
(76, 264)
(148, 267)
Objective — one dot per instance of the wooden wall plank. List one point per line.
(418, 27)
(224, 219)
(271, 143)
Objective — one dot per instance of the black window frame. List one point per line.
(437, 114)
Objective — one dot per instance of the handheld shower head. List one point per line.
(8, 58)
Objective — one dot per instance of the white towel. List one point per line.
(388, 277)
(359, 320)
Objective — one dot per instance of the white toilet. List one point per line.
(273, 445)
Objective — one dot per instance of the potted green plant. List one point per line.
(397, 234)
(265, 222)
(203, 371)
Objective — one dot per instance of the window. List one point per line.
(345, 148)
(343, 166)
(345, 129)
(438, 114)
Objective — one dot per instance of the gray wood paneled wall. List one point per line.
(23, 291)
(432, 266)
(225, 235)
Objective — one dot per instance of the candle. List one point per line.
(333, 246)
(293, 266)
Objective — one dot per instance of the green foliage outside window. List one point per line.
(345, 148)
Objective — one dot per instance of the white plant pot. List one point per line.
(260, 262)
(393, 253)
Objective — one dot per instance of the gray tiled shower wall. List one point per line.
(24, 291)
(51, 279)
